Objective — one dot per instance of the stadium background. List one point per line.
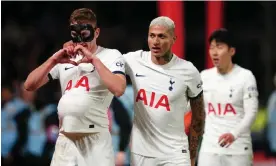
(32, 31)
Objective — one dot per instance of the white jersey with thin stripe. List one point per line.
(224, 97)
(161, 96)
(85, 99)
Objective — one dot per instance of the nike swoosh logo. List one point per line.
(139, 75)
(66, 68)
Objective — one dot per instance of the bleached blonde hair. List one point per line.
(163, 21)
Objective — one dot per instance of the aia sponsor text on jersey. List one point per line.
(221, 109)
(152, 99)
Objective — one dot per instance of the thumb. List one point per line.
(221, 138)
(78, 48)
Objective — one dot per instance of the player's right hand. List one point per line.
(63, 56)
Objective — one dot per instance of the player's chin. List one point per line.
(157, 55)
(216, 64)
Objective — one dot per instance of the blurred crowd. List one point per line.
(29, 35)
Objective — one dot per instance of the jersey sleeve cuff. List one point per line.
(50, 77)
(118, 72)
(197, 96)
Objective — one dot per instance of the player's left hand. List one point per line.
(225, 140)
(88, 57)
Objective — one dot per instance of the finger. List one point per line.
(221, 137)
(73, 63)
(78, 48)
(68, 51)
(71, 48)
(221, 141)
(228, 144)
(83, 61)
(226, 139)
(69, 43)
(223, 144)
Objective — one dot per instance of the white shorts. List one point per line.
(92, 150)
(177, 160)
(212, 159)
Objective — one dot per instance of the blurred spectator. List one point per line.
(14, 118)
(271, 126)
(51, 125)
(121, 126)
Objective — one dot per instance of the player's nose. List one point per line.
(156, 42)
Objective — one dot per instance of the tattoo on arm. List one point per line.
(197, 124)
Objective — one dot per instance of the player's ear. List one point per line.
(97, 32)
(232, 51)
(174, 38)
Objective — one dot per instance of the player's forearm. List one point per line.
(114, 83)
(197, 124)
(38, 77)
(251, 109)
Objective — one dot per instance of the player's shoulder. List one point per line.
(108, 53)
(244, 73)
(184, 63)
(208, 72)
(135, 55)
(185, 66)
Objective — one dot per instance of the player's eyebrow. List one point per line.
(158, 34)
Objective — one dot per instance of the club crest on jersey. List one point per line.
(171, 84)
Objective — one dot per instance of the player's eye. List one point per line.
(162, 36)
(211, 47)
(85, 33)
(220, 46)
(152, 35)
(73, 33)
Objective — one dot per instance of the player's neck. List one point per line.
(93, 48)
(162, 60)
(227, 69)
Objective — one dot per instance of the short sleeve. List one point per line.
(118, 66)
(54, 73)
(194, 83)
(130, 60)
(127, 62)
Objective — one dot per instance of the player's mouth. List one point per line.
(216, 61)
(156, 49)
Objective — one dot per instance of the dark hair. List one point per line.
(83, 15)
(222, 35)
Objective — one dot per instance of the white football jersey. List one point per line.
(224, 97)
(161, 95)
(85, 99)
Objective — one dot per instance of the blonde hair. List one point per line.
(163, 21)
